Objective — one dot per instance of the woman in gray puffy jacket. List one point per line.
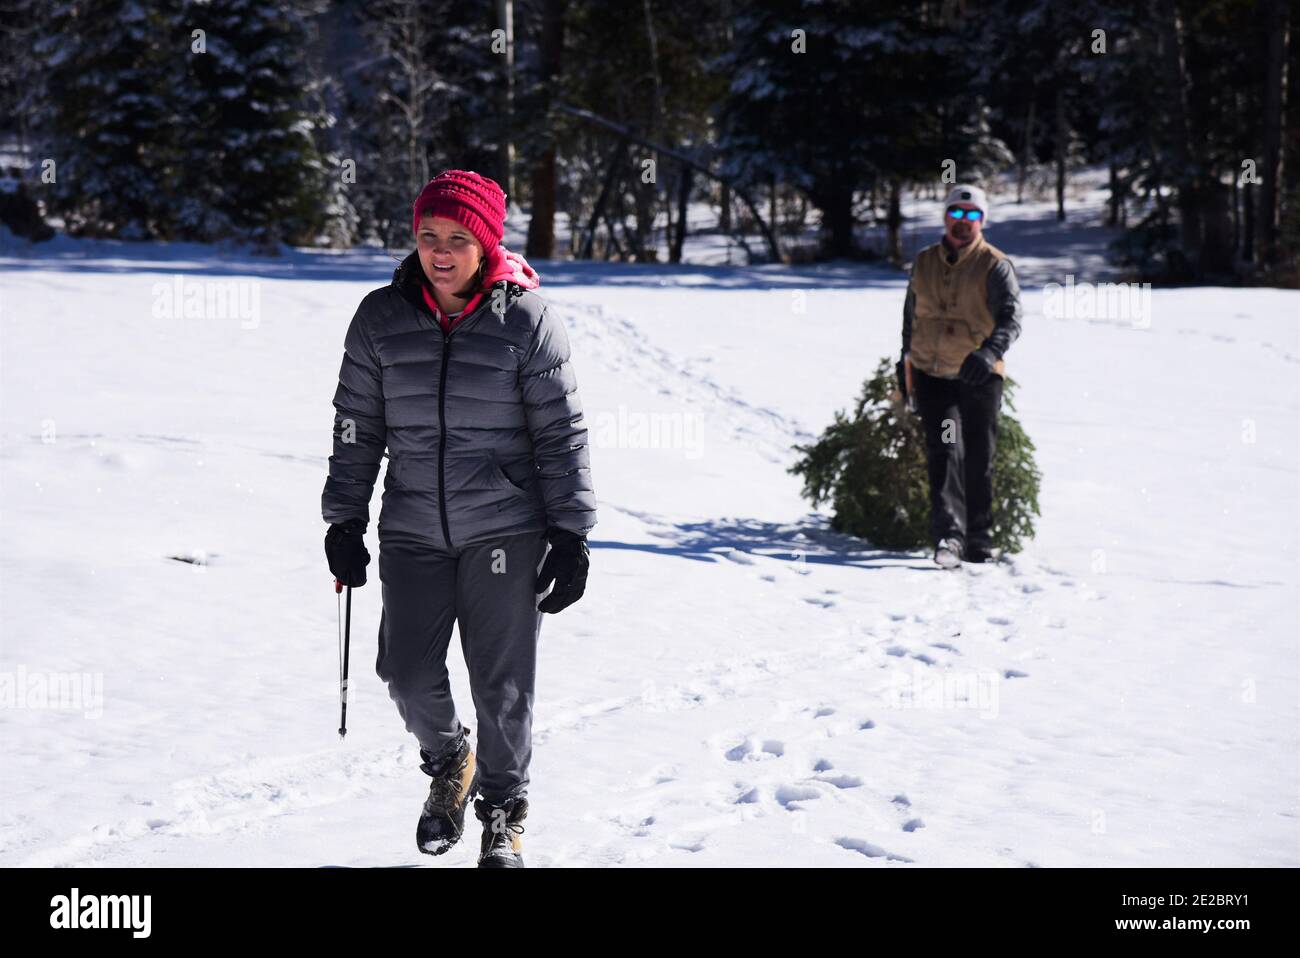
(458, 369)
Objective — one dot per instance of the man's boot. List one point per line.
(948, 553)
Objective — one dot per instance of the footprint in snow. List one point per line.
(771, 748)
(749, 796)
(911, 824)
(864, 847)
(841, 781)
(1014, 674)
(661, 775)
(791, 795)
(740, 752)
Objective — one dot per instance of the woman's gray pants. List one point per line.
(489, 589)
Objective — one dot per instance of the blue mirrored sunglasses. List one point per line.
(956, 212)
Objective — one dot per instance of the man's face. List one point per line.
(449, 254)
(964, 230)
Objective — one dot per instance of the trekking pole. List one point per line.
(346, 626)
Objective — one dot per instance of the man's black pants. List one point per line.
(961, 433)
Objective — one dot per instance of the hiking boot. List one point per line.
(947, 553)
(455, 780)
(502, 826)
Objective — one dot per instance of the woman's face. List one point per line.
(449, 254)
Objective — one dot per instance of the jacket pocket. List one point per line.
(523, 487)
(413, 473)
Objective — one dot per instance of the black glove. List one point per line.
(901, 372)
(978, 367)
(345, 549)
(566, 565)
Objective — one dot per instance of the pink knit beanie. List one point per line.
(475, 202)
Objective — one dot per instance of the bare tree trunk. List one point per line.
(541, 224)
(771, 209)
(1278, 14)
(648, 195)
(1217, 250)
(506, 146)
(1174, 71)
(724, 215)
(1113, 217)
(894, 221)
(541, 221)
(1235, 216)
(596, 212)
(1062, 137)
(1248, 201)
(1026, 150)
(683, 200)
(668, 216)
(613, 248)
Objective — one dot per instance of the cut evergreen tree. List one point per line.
(871, 468)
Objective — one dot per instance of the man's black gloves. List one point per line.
(345, 549)
(978, 367)
(566, 565)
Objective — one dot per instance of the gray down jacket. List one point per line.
(483, 426)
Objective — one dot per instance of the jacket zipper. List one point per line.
(442, 440)
(442, 423)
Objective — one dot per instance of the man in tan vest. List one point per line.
(961, 314)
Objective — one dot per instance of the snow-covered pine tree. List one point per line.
(827, 97)
(250, 156)
(106, 119)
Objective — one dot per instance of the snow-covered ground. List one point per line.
(739, 686)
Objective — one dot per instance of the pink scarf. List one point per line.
(507, 264)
